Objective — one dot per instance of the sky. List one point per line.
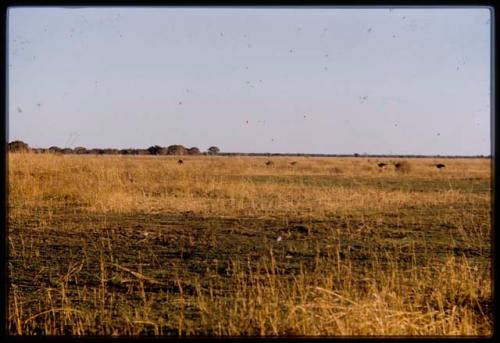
(279, 80)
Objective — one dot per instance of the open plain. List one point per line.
(143, 245)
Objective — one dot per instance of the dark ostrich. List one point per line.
(180, 162)
(440, 165)
(269, 163)
(381, 165)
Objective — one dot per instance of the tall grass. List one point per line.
(385, 253)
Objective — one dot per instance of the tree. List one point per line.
(39, 150)
(97, 151)
(18, 146)
(155, 150)
(80, 150)
(55, 149)
(177, 150)
(213, 150)
(111, 151)
(194, 151)
(67, 151)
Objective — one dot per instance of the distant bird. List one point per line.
(382, 165)
(19, 110)
(246, 122)
(369, 30)
(269, 163)
(438, 134)
(180, 102)
(39, 104)
(180, 162)
(397, 165)
(293, 163)
(440, 165)
(291, 51)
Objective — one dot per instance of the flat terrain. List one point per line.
(142, 245)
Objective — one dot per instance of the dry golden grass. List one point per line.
(128, 245)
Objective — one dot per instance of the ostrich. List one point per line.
(440, 165)
(269, 163)
(180, 162)
(381, 165)
(293, 163)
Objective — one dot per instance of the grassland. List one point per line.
(139, 245)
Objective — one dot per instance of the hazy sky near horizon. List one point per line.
(280, 80)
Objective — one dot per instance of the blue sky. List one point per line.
(306, 80)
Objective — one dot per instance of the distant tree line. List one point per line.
(20, 146)
(266, 154)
